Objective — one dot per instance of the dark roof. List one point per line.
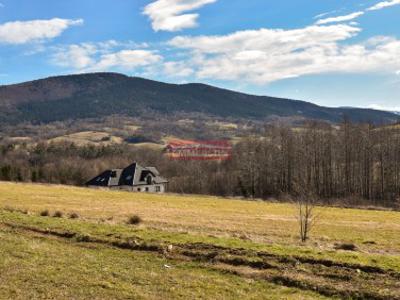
(132, 175)
(100, 180)
(128, 175)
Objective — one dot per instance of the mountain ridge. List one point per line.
(94, 95)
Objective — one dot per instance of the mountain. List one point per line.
(102, 94)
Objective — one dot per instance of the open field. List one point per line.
(188, 247)
(89, 138)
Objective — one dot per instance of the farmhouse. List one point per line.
(133, 178)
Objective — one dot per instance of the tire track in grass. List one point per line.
(328, 278)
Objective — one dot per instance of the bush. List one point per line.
(134, 220)
(346, 247)
(44, 213)
(58, 214)
(73, 215)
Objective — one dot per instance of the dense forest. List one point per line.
(96, 95)
(351, 163)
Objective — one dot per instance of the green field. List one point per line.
(188, 247)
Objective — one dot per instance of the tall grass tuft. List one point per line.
(58, 214)
(134, 220)
(73, 215)
(44, 213)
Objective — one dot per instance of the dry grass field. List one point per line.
(89, 138)
(188, 247)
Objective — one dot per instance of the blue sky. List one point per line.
(333, 53)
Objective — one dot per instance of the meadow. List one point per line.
(188, 247)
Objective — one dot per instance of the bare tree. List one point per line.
(306, 215)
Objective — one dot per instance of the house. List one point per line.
(133, 178)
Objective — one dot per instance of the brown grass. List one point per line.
(257, 221)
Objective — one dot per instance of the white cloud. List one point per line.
(127, 59)
(75, 56)
(354, 15)
(104, 56)
(384, 107)
(384, 4)
(170, 15)
(21, 32)
(177, 69)
(267, 55)
(348, 17)
(398, 72)
(324, 14)
(250, 56)
(263, 39)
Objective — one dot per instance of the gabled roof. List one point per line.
(128, 175)
(142, 174)
(132, 175)
(101, 180)
(153, 170)
(115, 176)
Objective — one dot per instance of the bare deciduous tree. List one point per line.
(306, 203)
(306, 216)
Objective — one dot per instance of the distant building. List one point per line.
(133, 178)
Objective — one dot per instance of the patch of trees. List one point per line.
(356, 163)
(353, 161)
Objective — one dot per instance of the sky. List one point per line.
(330, 52)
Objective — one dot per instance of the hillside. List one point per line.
(103, 94)
(187, 247)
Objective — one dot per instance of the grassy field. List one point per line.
(88, 138)
(188, 247)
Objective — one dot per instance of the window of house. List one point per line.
(138, 189)
(147, 189)
(114, 174)
(158, 188)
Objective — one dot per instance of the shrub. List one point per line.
(134, 220)
(58, 214)
(105, 138)
(44, 213)
(346, 246)
(73, 215)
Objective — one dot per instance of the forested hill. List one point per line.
(102, 94)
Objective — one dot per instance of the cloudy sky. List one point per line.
(331, 52)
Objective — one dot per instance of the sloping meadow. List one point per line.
(225, 247)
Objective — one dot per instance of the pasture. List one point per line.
(188, 247)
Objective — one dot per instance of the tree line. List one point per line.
(352, 163)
